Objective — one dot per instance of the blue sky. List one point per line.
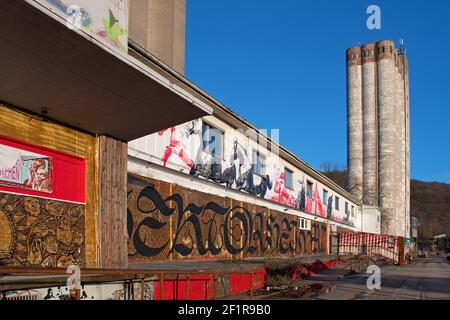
(281, 64)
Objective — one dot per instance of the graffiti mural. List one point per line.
(40, 232)
(314, 204)
(184, 148)
(282, 194)
(106, 19)
(166, 220)
(25, 170)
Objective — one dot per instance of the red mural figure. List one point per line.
(176, 147)
(314, 204)
(282, 194)
(39, 177)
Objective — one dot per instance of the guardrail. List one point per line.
(388, 247)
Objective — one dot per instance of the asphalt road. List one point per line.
(427, 279)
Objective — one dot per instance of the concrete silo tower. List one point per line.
(159, 27)
(370, 137)
(387, 144)
(378, 131)
(405, 83)
(354, 116)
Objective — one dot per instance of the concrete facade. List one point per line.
(383, 123)
(159, 26)
(371, 219)
(355, 128)
(370, 139)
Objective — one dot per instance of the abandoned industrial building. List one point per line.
(170, 175)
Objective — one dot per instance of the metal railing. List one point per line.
(162, 276)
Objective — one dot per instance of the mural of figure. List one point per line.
(210, 167)
(314, 204)
(261, 188)
(282, 194)
(237, 162)
(178, 135)
(245, 180)
(330, 207)
(347, 217)
(39, 177)
(301, 196)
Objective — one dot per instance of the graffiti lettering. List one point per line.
(161, 226)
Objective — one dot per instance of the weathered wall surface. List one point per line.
(355, 122)
(167, 221)
(44, 231)
(370, 137)
(112, 160)
(41, 232)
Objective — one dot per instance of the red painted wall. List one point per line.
(68, 173)
(175, 289)
(241, 282)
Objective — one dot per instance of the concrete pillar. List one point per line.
(397, 148)
(386, 135)
(401, 153)
(405, 82)
(354, 120)
(369, 112)
(159, 26)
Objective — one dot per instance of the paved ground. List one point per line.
(427, 279)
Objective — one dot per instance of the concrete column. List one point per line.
(401, 153)
(407, 194)
(159, 26)
(354, 120)
(369, 111)
(386, 135)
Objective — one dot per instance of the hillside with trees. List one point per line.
(430, 202)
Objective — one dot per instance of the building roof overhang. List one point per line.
(82, 81)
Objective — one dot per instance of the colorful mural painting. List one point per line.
(106, 19)
(42, 211)
(31, 170)
(166, 220)
(187, 148)
(25, 170)
(40, 232)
